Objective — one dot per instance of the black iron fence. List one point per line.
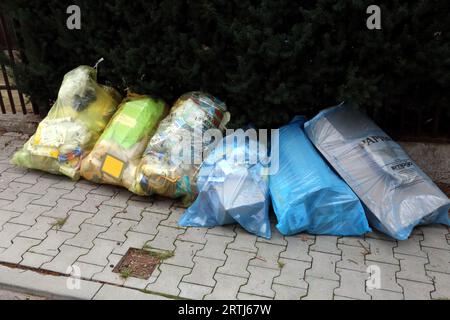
(11, 99)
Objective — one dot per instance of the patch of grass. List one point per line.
(281, 264)
(161, 255)
(58, 224)
(126, 272)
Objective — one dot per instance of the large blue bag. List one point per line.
(398, 195)
(232, 188)
(307, 195)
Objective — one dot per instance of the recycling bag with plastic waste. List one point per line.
(307, 196)
(174, 154)
(397, 194)
(72, 126)
(119, 150)
(232, 188)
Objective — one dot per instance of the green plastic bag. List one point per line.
(73, 125)
(119, 150)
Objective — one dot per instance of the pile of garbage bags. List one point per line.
(174, 154)
(232, 188)
(398, 195)
(73, 125)
(333, 175)
(118, 152)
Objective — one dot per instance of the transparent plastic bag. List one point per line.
(231, 189)
(72, 126)
(398, 195)
(174, 154)
(119, 150)
(307, 196)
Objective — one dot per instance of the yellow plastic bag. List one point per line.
(73, 125)
(163, 169)
(119, 150)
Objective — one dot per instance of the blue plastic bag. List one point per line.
(398, 195)
(232, 188)
(307, 195)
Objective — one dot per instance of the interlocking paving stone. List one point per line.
(411, 247)
(12, 190)
(40, 229)
(215, 247)
(412, 268)
(298, 248)
(34, 260)
(435, 237)
(50, 198)
(244, 241)
(326, 244)
(65, 258)
(260, 282)
(13, 254)
(320, 289)
(352, 284)
(387, 275)
(62, 209)
(131, 212)
(161, 205)
(6, 216)
(439, 260)
(105, 190)
(442, 284)
(250, 297)
(117, 230)
(119, 199)
(225, 231)
(193, 291)
(267, 256)
(293, 273)
(22, 201)
(384, 294)
(44, 183)
(29, 216)
(30, 177)
(74, 220)
(288, 293)
(87, 270)
(184, 254)
(174, 217)
(169, 279)
(134, 240)
(66, 184)
(196, 235)
(226, 288)
(277, 238)
(352, 258)
(381, 251)
(7, 177)
(413, 290)
(104, 216)
(165, 238)
(77, 194)
(85, 238)
(9, 232)
(149, 223)
(236, 263)
(107, 274)
(109, 292)
(203, 271)
(323, 266)
(50, 246)
(99, 254)
(92, 203)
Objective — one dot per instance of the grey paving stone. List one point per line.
(40, 229)
(439, 260)
(326, 244)
(6, 178)
(161, 205)
(165, 239)
(6, 216)
(298, 248)
(355, 242)
(21, 203)
(43, 184)
(145, 203)
(99, 254)
(34, 260)
(277, 238)
(244, 241)
(251, 297)
(411, 247)
(31, 177)
(237, 263)
(77, 194)
(203, 271)
(288, 293)
(225, 231)
(50, 198)
(50, 246)
(193, 291)
(65, 258)
(141, 284)
(323, 266)
(352, 258)
(117, 230)
(119, 199)
(226, 288)
(260, 282)
(435, 237)
(87, 270)
(412, 268)
(215, 247)
(29, 216)
(13, 254)
(74, 220)
(149, 223)
(174, 217)
(105, 190)
(292, 273)
(385, 295)
(196, 235)
(110, 292)
(352, 284)
(104, 216)
(107, 275)
(378, 236)
(131, 212)
(320, 289)
(134, 240)
(267, 256)
(92, 203)
(387, 273)
(416, 290)
(65, 184)
(169, 279)
(9, 232)
(442, 284)
(85, 238)
(62, 209)
(381, 251)
(184, 254)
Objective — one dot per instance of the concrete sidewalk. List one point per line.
(51, 226)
